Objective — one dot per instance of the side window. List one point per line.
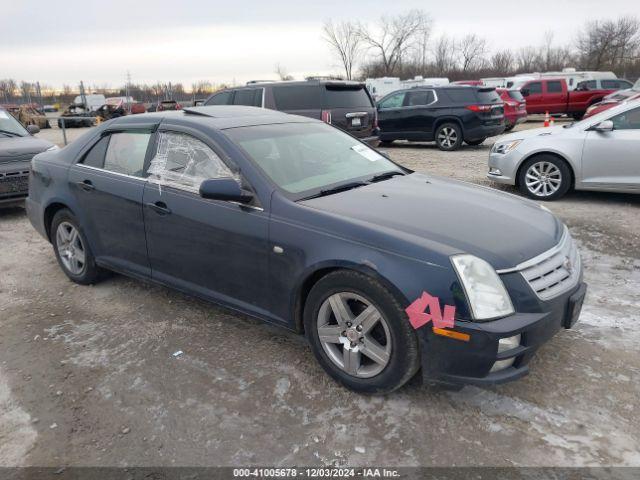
(245, 97)
(629, 120)
(126, 152)
(95, 157)
(534, 88)
(257, 100)
(223, 98)
(424, 97)
(394, 101)
(554, 87)
(184, 162)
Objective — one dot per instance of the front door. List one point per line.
(214, 248)
(610, 159)
(419, 114)
(109, 183)
(534, 97)
(390, 115)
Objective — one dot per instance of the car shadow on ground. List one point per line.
(12, 212)
(432, 146)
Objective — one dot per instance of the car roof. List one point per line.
(219, 117)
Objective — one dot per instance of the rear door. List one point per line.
(419, 114)
(108, 183)
(610, 159)
(555, 96)
(349, 107)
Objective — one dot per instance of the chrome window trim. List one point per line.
(110, 171)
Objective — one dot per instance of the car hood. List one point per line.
(501, 228)
(17, 148)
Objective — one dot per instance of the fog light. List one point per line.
(505, 344)
(495, 171)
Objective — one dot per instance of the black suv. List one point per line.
(447, 115)
(346, 105)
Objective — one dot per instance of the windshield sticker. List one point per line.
(367, 153)
(418, 316)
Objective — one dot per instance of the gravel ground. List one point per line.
(88, 375)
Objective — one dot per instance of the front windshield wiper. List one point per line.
(386, 175)
(9, 132)
(337, 189)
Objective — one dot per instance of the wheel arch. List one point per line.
(558, 155)
(447, 119)
(50, 212)
(313, 275)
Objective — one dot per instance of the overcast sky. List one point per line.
(190, 40)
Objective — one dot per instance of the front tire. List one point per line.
(448, 137)
(72, 249)
(360, 334)
(544, 177)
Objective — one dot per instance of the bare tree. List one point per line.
(393, 37)
(528, 59)
(346, 43)
(444, 55)
(472, 50)
(502, 62)
(282, 73)
(609, 44)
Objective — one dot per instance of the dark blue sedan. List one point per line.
(386, 271)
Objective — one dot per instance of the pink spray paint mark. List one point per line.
(419, 317)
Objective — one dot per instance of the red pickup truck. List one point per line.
(551, 95)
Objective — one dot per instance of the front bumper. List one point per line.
(506, 164)
(455, 362)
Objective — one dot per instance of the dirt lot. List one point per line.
(88, 376)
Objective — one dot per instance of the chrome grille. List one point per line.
(554, 271)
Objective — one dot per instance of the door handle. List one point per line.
(86, 185)
(159, 207)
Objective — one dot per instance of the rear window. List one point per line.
(297, 97)
(554, 87)
(488, 96)
(611, 84)
(516, 95)
(340, 97)
(462, 95)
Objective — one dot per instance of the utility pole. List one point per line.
(83, 97)
(127, 91)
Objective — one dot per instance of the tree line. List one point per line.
(404, 46)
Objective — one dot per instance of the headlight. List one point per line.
(505, 147)
(52, 148)
(486, 293)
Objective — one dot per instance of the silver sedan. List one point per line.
(598, 153)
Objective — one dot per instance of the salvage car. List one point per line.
(447, 115)
(597, 153)
(294, 221)
(17, 148)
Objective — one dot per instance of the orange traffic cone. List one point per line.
(546, 119)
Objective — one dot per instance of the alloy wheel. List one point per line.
(70, 248)
(354, 334)
(447, 137)
(543, 179)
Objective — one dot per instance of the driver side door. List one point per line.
(610, 160)
(215, 249)
(390, 114)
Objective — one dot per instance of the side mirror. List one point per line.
(605, 126)
(33, 129)
(525, 92)
(226, 188)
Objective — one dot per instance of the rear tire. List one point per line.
(544, 177)
(377, 358)
(72, 249)
(448, 137)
